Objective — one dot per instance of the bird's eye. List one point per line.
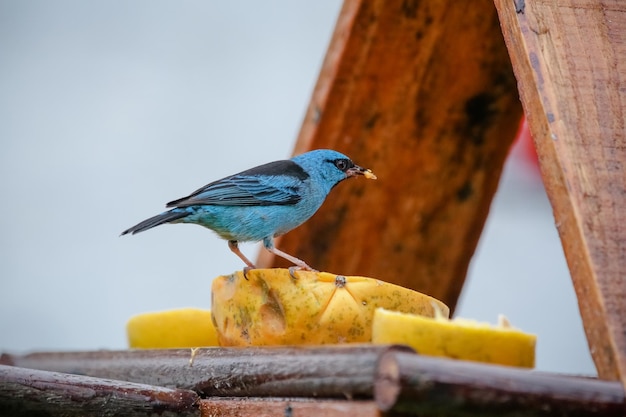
(342, 164)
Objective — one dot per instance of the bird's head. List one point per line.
(331, 166)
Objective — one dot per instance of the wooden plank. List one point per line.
(424, 95)
(570, 59)
(29, 392)
(289, 407)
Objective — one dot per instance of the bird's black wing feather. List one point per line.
(276, 183)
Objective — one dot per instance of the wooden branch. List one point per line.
(289, 407)
(345, 371)
(30, 392)
(570, 59)
(409, 383)
(398, 380)
(421, 92)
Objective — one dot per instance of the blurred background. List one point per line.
(109, 109)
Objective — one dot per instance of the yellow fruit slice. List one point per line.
(179, 328)
(458, 338)
(273, 308)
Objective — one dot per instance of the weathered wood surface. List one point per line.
(287, 407)
(345, 371)
(420, 385)
(424, 95)
(569, 57)
(30, 392)
(396, 379)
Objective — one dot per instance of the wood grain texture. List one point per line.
(286, 407)
(429, 386)
(329, 380)
(570, 59)
(424, 95)
(345, 371)
(29, 392)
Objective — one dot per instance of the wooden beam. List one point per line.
(424, 95)
(569, 57)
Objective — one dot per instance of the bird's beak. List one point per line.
(357, 170)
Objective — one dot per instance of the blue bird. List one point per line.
(262, 202)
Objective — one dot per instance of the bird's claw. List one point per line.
(293, 269)
(247, 269)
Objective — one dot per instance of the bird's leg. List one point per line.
(234, 247)
(299, 263)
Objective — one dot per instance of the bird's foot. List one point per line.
(247, 269)
(305, 267)
(299, 264)
(292, 271)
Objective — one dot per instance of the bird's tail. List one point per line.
(166, 217)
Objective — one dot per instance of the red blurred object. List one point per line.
(526, 146)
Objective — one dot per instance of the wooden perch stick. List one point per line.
(34, 392)
(432, 386)
(345, 371)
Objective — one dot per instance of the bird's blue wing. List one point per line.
(276, 183)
